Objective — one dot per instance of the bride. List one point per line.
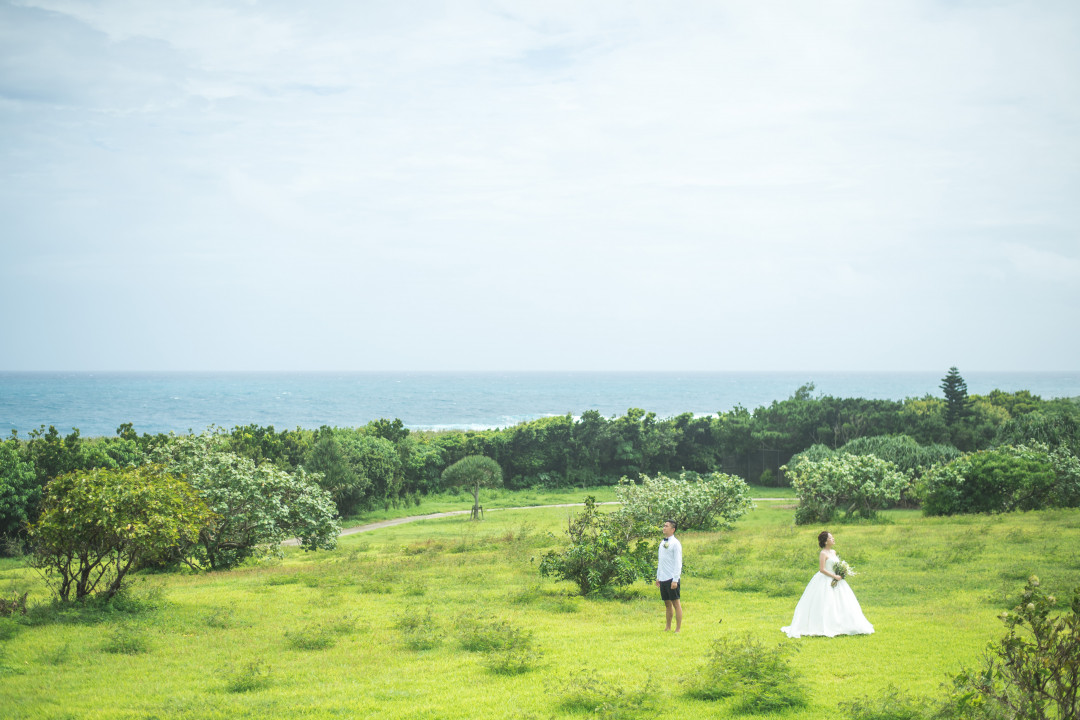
(828, 605)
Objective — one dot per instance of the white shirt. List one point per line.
(669, 566)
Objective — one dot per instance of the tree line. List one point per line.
(384, 463)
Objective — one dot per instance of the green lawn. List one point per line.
(238, 644)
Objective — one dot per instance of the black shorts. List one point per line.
(666, 591)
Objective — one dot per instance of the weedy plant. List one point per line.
(15, 606)
(893, 704)
(8, 628)
(320, 635)
(312, 637)
(756, 673)
(586, 691)
(420, 630)
(253, 675)
(510, 649)
(126, 639)
(220, 618)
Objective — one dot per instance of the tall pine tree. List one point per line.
(956, 397)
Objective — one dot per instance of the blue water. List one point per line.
(97, 403)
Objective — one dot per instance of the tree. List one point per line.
(856, 484)
(956, 397)
(19, 491)
(1000, 480)
(474, 470)
(901, 450)
(97, 525)
(605, 551)
(337, 467)
(253, 505)
(693, 501)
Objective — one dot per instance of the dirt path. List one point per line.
(413, 518)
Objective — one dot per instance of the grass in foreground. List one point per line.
(448, 619)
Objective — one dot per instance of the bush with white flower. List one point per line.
(855, 485)
(695, 502)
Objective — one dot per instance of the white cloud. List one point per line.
(582, 175)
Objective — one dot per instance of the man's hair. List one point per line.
(674, 525)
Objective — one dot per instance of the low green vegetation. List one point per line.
(448, 618)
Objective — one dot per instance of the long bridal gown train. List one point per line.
(827, 610)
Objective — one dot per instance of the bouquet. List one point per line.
(842, 569)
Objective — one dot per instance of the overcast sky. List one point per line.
(518, 185)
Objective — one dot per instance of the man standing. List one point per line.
(668, 572)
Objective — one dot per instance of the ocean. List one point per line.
(97, 403)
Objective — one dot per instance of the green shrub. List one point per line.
(605, 551)
(757, 674)
(517, 657)
(585, 691)
(484, 633)
(814, 453)
(1059, 427)
(20, 494)
(1000, 480)
(98, 525)
(903, 451)
(220, 618)
(510, 649)
(15, 606)
(126, 639)
(893, 704)
(414, 588)
(1034, 671)
(57, 655)
(253, 675)
(696, 502)
(320, 635)
(312, 637)
(8, 628)
(419, 631)
(1066, 466)
(857, 485)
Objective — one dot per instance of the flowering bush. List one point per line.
(695, 502)
(252, 505)
(856, 484)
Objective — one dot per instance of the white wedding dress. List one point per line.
(827, 610)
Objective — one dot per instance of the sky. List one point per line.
(369, 185)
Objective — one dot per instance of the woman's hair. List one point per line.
(823, 538)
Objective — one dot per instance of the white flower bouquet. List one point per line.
(842, 569)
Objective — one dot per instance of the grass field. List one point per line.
(381, 626)
(495, 499)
